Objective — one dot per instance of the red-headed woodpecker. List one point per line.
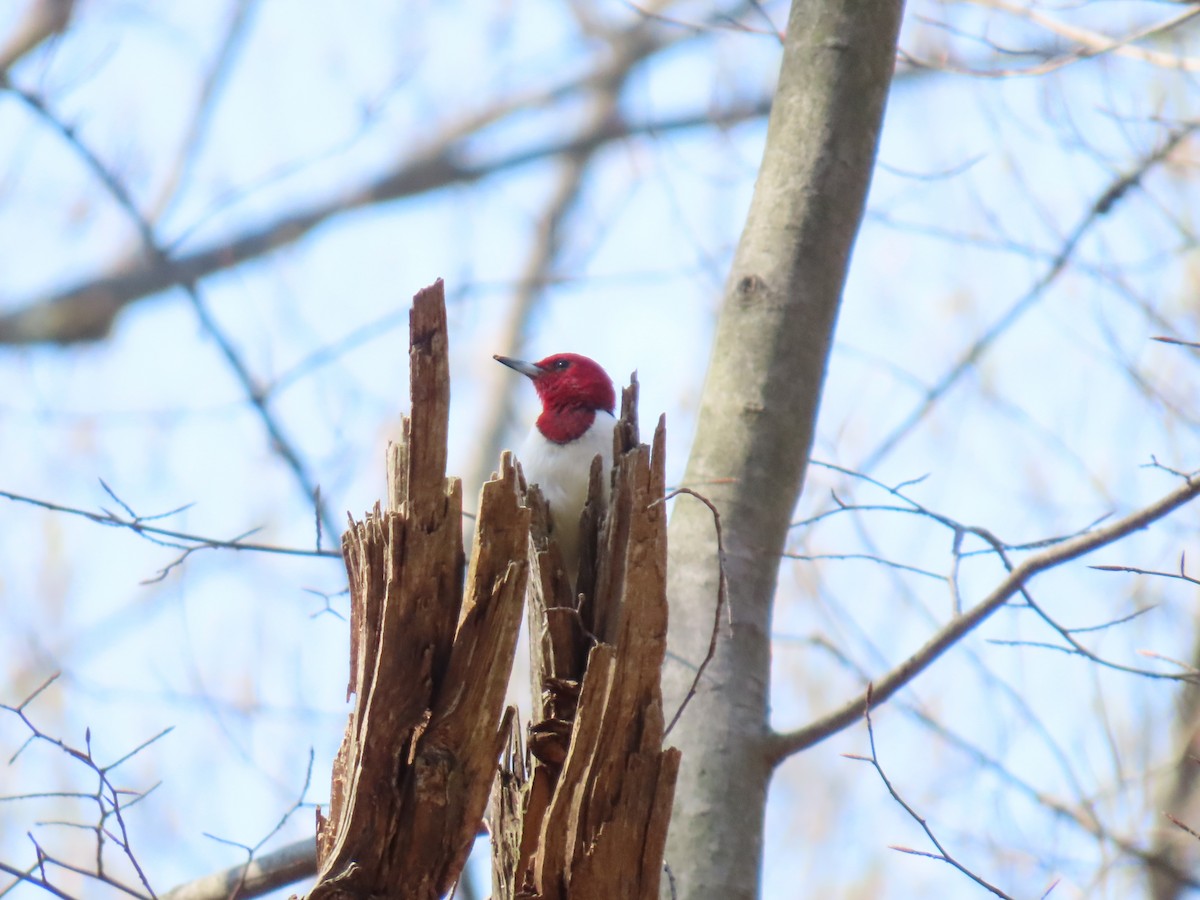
(576, 424)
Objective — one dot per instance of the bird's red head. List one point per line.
(571, 388)
(567, 380)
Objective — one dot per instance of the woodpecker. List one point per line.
(576, 424)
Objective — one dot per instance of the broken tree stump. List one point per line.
(582, 811)
(428, 667)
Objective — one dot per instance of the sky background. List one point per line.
(980, 182)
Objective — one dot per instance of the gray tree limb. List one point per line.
(782, 745)
(253, 879)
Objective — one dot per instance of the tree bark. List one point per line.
(757, 417)
(429, 667)
(584, 814)
(1176, 852)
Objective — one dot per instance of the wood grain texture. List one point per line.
(583, 811)
(429, 666)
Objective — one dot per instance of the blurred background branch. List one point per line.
(1013, 341)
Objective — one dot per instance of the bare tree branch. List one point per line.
(111, 803)
(1168, 340)
(85, 311)
(942, 855)
(259, 876)
(1082, 815)
(1090, 45)
(191, 542)
(227, 50)
(280, 444)
(1093, 44)
(782, 745)
(43, 19)
(1119, 188)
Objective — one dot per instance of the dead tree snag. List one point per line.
(429, 668)
(584, 812)
(430, 659)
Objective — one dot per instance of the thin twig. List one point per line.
(29, 878)
(279, 442)
(722, 601)
(1118, 189)
(1177, 342)
(941, 855)
(266, 873)
(1180, 824)
(137, 525)
(1084, 817)
(239, 887)
(782, 745)
(108, 798)
(868, 557)
(210, 90)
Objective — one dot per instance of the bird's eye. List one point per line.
(561, 364)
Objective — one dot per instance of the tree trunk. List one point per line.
(757, 417)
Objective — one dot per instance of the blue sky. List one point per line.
(980, 181)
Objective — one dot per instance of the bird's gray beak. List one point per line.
(525, 368)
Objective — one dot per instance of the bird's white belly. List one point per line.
(561, 470)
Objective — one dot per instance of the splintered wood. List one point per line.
(428, 667)
(583, 813)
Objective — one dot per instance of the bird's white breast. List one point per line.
(561, 470)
